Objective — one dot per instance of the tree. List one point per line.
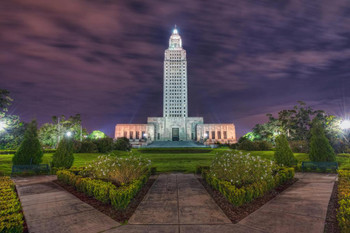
(51, 133)
(97, 134)
(63, 157)
(283, 154)
(30, 151)
(122, 144)
(5, 101)
(320, 148)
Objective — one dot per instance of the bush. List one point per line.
(283, 154)
(241, 169)
(247, 145)
(320, 148)
(299, 146)
(76, 146)
(119, 170)
(245, 194)
(263, 145)
(343, 214)
(103, 191)
(104, 145)
(11, 218)
(64, 155)
(88, 147)
(122, 144)
(30, 151)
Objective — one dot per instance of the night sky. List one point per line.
(104, 59)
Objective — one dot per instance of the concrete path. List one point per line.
(179, 203)
(48, 208)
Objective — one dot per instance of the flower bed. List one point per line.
(11, 219)
(343, 214)
(109, 179)
(242, 178)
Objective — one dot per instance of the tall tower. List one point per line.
(175, 78)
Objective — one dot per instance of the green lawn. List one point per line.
(170, 162)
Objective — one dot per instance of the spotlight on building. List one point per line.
(205, 135)
(345, 124)
(69, 134)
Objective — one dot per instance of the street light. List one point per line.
(2, 125)
(345, 124)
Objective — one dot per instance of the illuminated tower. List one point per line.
(175, 78)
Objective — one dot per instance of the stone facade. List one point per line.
(175, 125)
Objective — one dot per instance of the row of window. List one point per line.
(214, 133)
(137, 134)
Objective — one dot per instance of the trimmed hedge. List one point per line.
(343, 214)
(104, 191)
(11, 219)
(245, 194)
(175, 150)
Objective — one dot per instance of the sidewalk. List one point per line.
(48, 208)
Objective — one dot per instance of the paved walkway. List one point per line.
(48, 208)
(177, 203)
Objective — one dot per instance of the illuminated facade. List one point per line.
(175, 125)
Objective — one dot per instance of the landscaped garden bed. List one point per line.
(114, 182)
(242, 179)
(343, 213)
(11, 217)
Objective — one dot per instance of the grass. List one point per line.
(170, 162)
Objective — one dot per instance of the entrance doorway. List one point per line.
(175, 134)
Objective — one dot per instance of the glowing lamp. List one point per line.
(175, 31)
(205, 135)
(69, 134)
(345, 124)
(2, 126)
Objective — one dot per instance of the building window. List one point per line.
(213, 134)
(158, 136)
(225, 134)
(137, 134)
(125, 134)
(219, 134)
(131, 134)
(143, 135)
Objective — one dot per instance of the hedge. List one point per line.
(174, 150)
(245, 194)
(103, 191)
(343, 214)
(11, 219)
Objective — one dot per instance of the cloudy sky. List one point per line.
(103, 59)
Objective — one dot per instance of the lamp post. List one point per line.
(2, 126)
(345, 124)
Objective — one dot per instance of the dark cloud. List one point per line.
(104, 59)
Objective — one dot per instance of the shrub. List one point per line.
(245, 194)
(122, 144)
(299, 146)
(343, 214)
(64, 155)
(263, 145)
(88, 147)
(76, 146)
(30, 151)
(247, 145)
(241, 169)
(320, 148)
(104, 145)
(103, 191)
(119, 170)
(283, 154)
(11, 219)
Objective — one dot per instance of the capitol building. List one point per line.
(175, 125)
